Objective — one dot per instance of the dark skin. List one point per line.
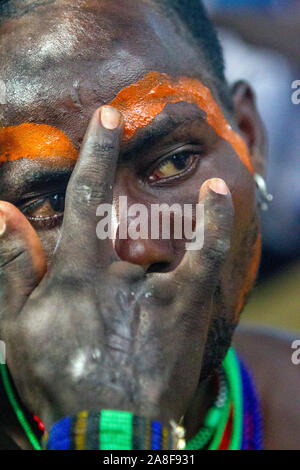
(93, 302)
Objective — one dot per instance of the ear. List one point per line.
(250, 124)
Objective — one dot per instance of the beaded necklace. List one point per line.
(232, 423)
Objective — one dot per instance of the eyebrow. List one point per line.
(32, 182)
(161, 127)
(33, 179)
(154, 91)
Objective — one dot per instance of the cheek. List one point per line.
(224, 164)
(49, 240)
(251, 273)
(242, 264)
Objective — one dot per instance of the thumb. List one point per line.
(22, 260)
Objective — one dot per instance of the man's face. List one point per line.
(59, 63)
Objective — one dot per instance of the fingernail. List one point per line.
(110, 117)
(2, 225)
(219, 186)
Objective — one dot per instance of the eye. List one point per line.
(173, 166)
(46, 212)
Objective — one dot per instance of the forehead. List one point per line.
(61, 61)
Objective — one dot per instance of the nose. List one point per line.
(152, 255)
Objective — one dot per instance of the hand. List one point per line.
(92, 331)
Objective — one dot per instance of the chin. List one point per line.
(219, 339)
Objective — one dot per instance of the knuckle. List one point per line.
(10, 257)
(220, 217)
(16, 262)
(29, 331)
(105, 147)
(90, 180)
(86, 177)
(217, 250)
(69, 279)
(86, 188)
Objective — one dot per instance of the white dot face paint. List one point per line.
(83, 363)
(2, 353)
(86, 194)
(2, 92)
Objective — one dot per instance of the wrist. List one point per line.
(110, 430)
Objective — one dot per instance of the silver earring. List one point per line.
(264, 197)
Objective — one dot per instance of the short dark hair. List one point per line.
(195, 17)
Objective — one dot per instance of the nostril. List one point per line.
(158, 268)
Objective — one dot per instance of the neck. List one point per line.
(203, 399)
(193, 421)
(10, 428)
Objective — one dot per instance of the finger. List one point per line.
(213, 232)
(200, 268)
(92, 181)
(22, 259)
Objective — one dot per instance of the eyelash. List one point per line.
(51, 222)
(195, 152)
(48, 222)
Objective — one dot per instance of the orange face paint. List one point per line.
(250, 278)
(141, 102)
(34, 141)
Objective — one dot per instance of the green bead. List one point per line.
(200, 440)
(213, 417)
(17, 409)
(233, 372)
(115, 430)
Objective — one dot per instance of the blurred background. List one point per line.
(261, 40)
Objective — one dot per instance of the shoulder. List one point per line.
(272, 358)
